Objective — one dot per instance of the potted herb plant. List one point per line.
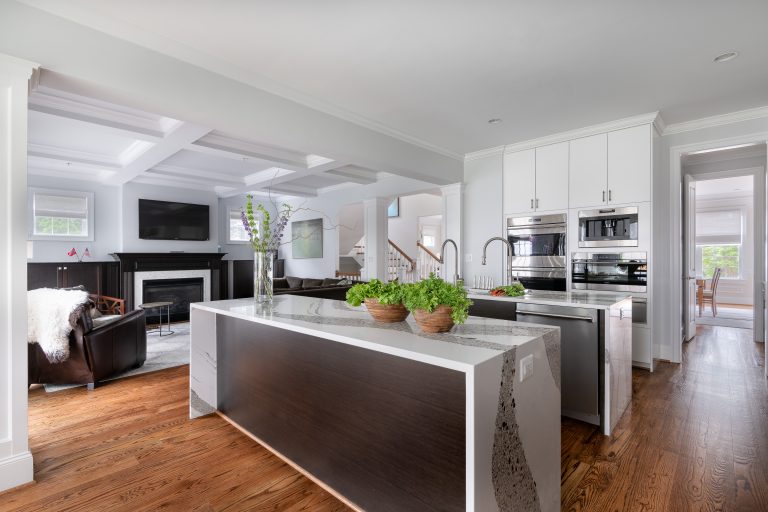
(436, 304)
(383, 301)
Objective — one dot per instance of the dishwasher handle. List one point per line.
(556, 315)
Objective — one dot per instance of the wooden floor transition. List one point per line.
(695, 438)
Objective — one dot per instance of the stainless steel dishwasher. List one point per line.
(579, 356)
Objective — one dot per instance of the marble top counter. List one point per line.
(581, 299)
(466, 346)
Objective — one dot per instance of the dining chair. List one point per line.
(710, 296)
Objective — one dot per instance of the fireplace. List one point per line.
(182, 292)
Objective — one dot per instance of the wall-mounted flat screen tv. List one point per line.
(164, 220)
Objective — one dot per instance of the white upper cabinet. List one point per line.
(519, 181)
(588, 171)
(552, 177)
(629, 165)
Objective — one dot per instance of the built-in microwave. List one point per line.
(608, 227)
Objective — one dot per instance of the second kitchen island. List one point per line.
(382, 415)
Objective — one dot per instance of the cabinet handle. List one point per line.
(603, 195)
(609, 195)
(537, 202)
(531, 203)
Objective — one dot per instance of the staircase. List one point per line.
(400, 266)
(427, 262)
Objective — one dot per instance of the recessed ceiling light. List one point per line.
(724, 57)
(495, 120)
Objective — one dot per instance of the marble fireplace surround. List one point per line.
(139, 278)
(137, 268)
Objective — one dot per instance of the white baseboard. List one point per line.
(16, 470)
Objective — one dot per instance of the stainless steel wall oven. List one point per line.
(539, 250)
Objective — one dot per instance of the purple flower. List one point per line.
(246, 225)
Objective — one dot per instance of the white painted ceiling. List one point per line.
(437, 70)
(80, 137)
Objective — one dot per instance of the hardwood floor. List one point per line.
(128, 446)
(695, 438)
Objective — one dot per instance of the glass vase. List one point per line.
(263, 262)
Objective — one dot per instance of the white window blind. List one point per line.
(70, 207)
(718, 227)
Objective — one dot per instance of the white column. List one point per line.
(376, 237)
(15, 458)
(453, 204)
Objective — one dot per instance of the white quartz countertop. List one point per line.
(590, 300)
(466, 346)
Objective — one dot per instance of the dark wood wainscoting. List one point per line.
(99, 277)
(386, 432)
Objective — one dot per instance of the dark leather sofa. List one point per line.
(96, 352)
(322, 288)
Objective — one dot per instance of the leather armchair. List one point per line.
(95, 353)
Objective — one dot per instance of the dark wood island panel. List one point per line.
(387, 433)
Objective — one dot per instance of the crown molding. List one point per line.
(484, 153)
(627, 122)
(718, 120)
(69, 155)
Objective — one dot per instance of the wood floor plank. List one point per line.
(695, 438)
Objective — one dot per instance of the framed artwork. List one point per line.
(394, 208)
(307, 239)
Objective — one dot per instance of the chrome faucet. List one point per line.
(510, 279)
(455, 261)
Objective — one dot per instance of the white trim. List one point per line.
(719, 120)
(16, 470)
(674, 327)
(89, 196)
(619, 124)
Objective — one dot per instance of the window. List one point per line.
(428, 240)
(727, 257)
(718, 240)
(60, 215)
(237, 233)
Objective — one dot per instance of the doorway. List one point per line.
(723, 200)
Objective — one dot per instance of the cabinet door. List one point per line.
(552, 177)
(629, 165)
(43, 275)
(519, 181)
(85, 274)
(588, 171)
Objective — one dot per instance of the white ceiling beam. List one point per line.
(68, 155)
(231, 147)
(353, 174)
(216, 178)
(294, 189)
(181, 137)
(147, 180)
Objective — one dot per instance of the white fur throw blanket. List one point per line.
(52, 315)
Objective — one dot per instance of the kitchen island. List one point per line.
(382, 415)
(596, 346)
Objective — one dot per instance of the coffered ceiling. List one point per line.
(434, 72)
(79, 137)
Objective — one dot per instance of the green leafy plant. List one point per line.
(389, 293)
(512, 290)
(432, 292)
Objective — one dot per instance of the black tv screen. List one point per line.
(163, 220)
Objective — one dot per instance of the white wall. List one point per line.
(328, 206)
(404, 230)
(106, 220)
(351, 230)
(483, 218)
(129, 223)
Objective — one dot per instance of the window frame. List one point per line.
(229, 232)
(90, 225)
(700, 257)
(743, 213)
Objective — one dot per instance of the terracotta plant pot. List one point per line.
(386, 313)
(435, 322)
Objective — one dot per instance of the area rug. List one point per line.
(162, 352)
(727, 317)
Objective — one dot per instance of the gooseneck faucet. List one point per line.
(509, 255)
(455, 261)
